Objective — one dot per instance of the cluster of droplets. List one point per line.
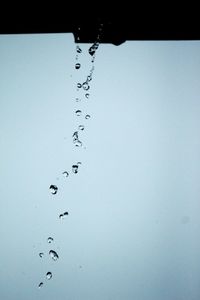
(75, 167)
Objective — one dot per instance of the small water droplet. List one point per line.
(75, 169)
(53, 189)
(87, 95)
(77, 66)
(40, 285)
(50, 240)
(79, 85)
(48, 275)
(85, 86)
(87, 117)
(53, 255)
(78, 112)
(78, 99)
(78, 49)
(81, 127)
(41, 254)
(61, 216)
(75, 135)
(79, 163)
(89, 78)
(77, 143)
(65, 174)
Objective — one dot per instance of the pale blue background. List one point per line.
(133, 222)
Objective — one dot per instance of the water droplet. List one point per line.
(87, 117)
(66, 213)
(87, 95)
(40, 285)
(41, 254)
(79, 163)
(77, 143)
(53, 189)
(89, 78)
(61, 216)
(75, 135)
(78, 112)
(78, 49)
(75, 169)
(77, 66)
(79, 85)
(85, 86)
(48, 275)
(53, 255)
(78, 99)
(81, 127)
(65, 174)
(50, 240)
(93, 49)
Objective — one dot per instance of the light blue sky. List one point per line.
(133, 223)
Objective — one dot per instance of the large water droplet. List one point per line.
(81, 127)
(79, 85)
(78, 49)
(78, 112)
(41, 254)
(53, 189)
(53, 254)
(75, 169)
(65, 174)
(85, 86)
(87, 117)
(40, 285)
(50, 240)
(48, 275)
(77, 66)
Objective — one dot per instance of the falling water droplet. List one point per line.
(75, 135)
(87, 117)
(41, 254)
(75, 169)
(48, 275)
(65, 174)
(53, 189)
(77, 143)
(89, 78)
(79, 85)
(53, 255)
(85, 86)
(50, 240)
(81, 127)
(78, 49)
(77, 66)
(78, 112)
(40, 285)
(87, 95)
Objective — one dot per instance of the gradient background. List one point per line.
(133, 226)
